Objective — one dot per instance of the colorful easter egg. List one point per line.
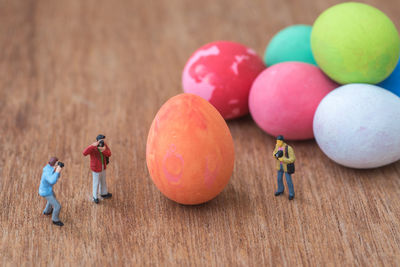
(358, 126)
(392, 83)
(284, 97)
(189, 153)
(355, 43)
(290, 44)
(222, 73)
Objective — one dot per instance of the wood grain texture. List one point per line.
(72, 69)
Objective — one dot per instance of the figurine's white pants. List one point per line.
(99, 180)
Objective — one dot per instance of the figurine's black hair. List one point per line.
(280, 137)
(99, 137)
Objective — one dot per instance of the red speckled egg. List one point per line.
(189, 153)
(284, 98)
(222, 73)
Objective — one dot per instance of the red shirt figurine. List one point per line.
(99, 153)
(96, 157)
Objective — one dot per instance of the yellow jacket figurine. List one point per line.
(285, 158)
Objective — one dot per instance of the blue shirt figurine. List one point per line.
(50, 176)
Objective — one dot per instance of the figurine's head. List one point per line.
(53, 161)
(100, 137)
(280, 140)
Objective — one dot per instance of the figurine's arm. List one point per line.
(275, 150)
(89, 150)
(107, 152)
(52, 177)
(291, 158)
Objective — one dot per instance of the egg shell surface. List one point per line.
(392, 83)
(190, 153)
(290, 44)
(222, 73)
(358, 126)
(355, 43)
(284, 97)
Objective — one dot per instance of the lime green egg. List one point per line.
(355, 43)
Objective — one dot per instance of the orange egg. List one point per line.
(189, 153)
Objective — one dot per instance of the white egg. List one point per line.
(358, 126)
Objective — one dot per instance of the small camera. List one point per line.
(101, 143)
(279, 154)
(61, 164)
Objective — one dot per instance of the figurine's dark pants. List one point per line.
(289, 182)
(53, 205)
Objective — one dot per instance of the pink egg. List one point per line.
(284, 98)
(222, 73)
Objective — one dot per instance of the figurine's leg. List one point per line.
(56, 212)
(280, 182)
(48, 209)
(56, 207)
(103, 184)
(95, 183)
(290, 185)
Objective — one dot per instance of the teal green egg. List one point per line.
(290, 44)
(355, 43)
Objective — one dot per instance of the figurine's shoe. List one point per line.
(291, 197)
(59, 223)
(278, 193)
(96, 200)
(108, 195)
(47, 213)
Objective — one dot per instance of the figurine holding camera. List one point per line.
(285, 158)
(51, 174)
(99, 158)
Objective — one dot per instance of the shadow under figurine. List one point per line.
(50, 176)
(285, 159)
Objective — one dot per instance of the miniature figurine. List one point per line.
(285, 158)
(99, 158)
(50, 176)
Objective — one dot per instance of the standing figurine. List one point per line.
(285, 158)
(99, 157)
(50, 176)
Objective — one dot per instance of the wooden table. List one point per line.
(72, 69)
